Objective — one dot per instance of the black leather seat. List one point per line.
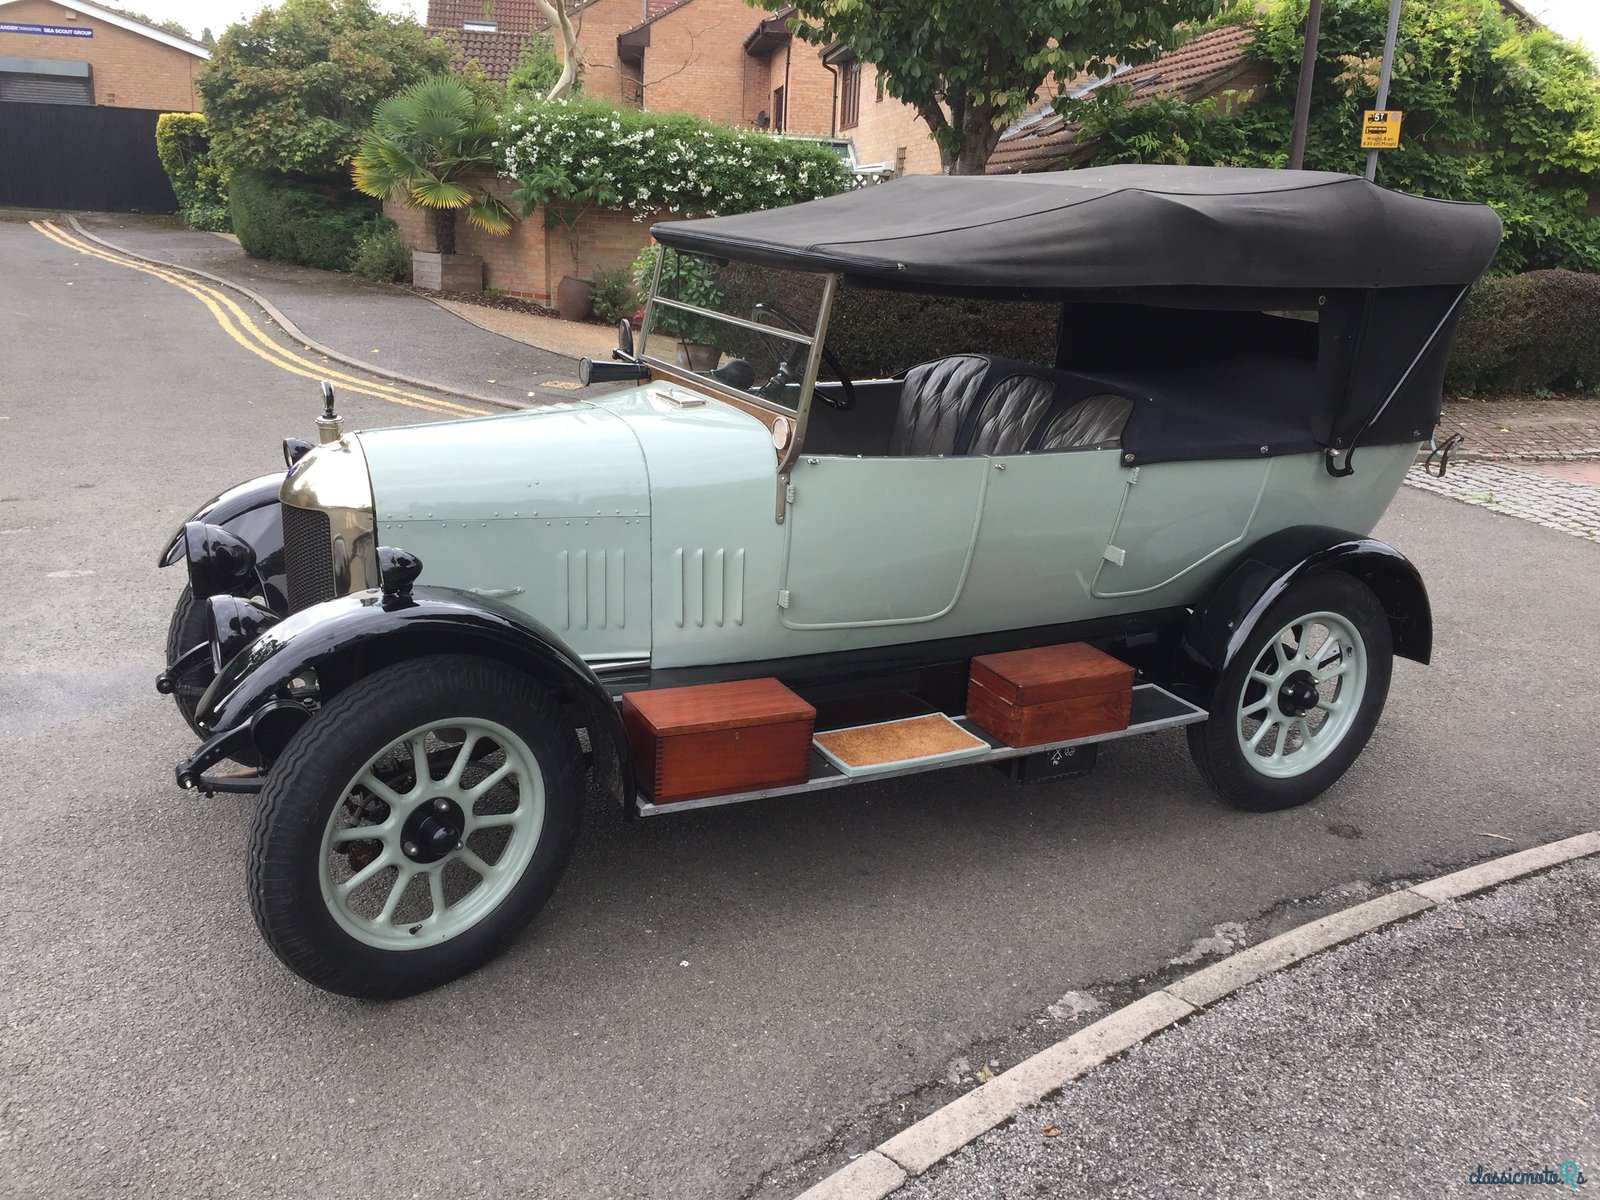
(934, 402)
(981, 404)
(1097, 421)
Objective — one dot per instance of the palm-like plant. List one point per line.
(422, 144)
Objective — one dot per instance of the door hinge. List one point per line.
(788, 493)
(783, 597)
(1115, 555)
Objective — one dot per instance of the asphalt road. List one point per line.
(1460, 1044)
(709, 997)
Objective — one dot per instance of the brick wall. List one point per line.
(810, 89)
(605, 77)
(531, 260)
(696, 61)
(129, 69)
(890, 131)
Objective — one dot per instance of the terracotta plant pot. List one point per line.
(698, 356)
(446, 272)
(574, 298)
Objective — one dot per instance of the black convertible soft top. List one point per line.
(1120, 227)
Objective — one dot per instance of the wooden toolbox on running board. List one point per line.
(718, 738)
(1049, 694)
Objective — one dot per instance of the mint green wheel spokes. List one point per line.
(388, 887)
(1302, 695)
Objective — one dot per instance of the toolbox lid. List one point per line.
(1049, 673)
(741, 704)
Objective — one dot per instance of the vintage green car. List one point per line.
(1234, 370)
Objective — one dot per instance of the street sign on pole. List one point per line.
(1384, 76)
(1380, 128)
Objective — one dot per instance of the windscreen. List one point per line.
(745, 326)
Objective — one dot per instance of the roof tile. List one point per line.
(1191, 71)
(497, 53)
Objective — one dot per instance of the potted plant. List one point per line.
(424, 146)
(688, 278)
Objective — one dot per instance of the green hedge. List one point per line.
(288, 220)
(183, 144)
(570, 154)
(381, 253)
(1538, 331)
(1530, 332)
(878, 334)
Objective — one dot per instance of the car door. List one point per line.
(878, 541)
(1176, 518)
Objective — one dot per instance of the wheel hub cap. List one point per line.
(1298, 695)
(433, 830)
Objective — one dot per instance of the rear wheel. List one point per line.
(1297, 704)
(414, 827)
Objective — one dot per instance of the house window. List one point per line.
(779, 109)
(850, 94)
(480, 26)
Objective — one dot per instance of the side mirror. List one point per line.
(624, 348)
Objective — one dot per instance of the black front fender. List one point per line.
(249, 511)
(342, 641)
(1218, 630)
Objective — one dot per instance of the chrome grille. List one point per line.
(307, 557)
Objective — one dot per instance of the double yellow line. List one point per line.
(236, 324)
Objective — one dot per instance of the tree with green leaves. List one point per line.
(971, 69)
(421, 149)
(537, 72)
(291, 90)
(1496, 111)
(175, 28)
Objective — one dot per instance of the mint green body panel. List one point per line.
(635, 527)
(547, 509)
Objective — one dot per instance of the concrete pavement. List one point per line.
(845, 952)
(375, 323)
(1414, 1061)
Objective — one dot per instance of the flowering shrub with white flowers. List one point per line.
(569, 155)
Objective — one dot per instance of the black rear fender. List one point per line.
(1219, 628)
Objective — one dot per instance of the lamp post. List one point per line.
(1384, 76)
(1302, 97)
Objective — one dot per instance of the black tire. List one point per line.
(315, 773)
(1215, 745)
(188, 628)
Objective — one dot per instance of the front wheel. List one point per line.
(1300, 699)
(414, 827)
(189, 627)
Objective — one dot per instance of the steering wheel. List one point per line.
(843, 403)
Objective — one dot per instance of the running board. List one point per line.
(1153, 708)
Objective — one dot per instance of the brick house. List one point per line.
(729, 62)
(885, 130)
(1210, 64)
(720, 59)
(73, 52)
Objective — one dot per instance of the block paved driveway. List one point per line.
(709, 997)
